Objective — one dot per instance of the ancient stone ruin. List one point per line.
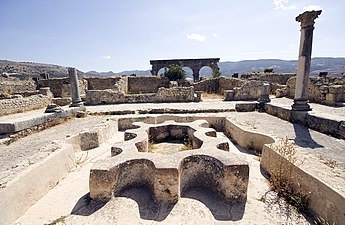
(244, 149)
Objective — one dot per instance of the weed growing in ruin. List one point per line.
(328, 162)
(282, 177)
(82, 159)
(61, 219)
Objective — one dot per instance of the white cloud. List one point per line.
(106, 57)
(215, 35)
(283, 4)
(312, 7)
(196, 37)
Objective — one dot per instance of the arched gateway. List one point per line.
(194, 64)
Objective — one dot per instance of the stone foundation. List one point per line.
(178, 94)
(17, 105)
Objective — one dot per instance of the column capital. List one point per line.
(307, 18)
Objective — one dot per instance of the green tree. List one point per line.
(174, 73)
(216, 74)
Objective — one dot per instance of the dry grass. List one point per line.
(328, 162)
(282, 177)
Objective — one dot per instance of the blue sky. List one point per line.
(122, 35)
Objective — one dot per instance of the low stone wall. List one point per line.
(327, 124)
(218, 85)
(12, 85)
(17, 105)
(146, 84)
(324, 201)
(103, 83)
(249, 91)
(61, 87)
(328, 91)
(178, 94)
(277, 78)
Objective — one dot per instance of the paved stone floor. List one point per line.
(314, 146)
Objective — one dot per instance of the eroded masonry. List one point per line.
(79, 150)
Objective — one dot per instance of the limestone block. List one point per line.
(88, 140)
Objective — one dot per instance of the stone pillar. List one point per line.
(265, 92)
(73, 79)
(304, 60)
(196, 76)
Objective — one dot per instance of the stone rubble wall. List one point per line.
(17, 105)
(61, 86)
(109, 96)
(13, 85)
(103, 83)
(146, 84)
(326, 91)
(277, 78)
(218, 85)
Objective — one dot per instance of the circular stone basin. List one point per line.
(170, 139)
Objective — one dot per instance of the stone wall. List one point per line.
(277, 78)
(328, 91)
(17, 105)
(218, 85)
(109, 96)
(147, 84)
(61, 87)
(251, 90)
(103, 83)
(11, 85)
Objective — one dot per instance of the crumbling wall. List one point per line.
(227, 83)
(324, 90)
(17, 105)
(218, 85)
(103, 83)
(61, 87)
(109, 96)
(147, 84)
(11, 85)
(277, 78)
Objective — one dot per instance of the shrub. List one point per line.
(174, 73)
(216, 74)
(269, 70)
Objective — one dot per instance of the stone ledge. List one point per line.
(24, 122)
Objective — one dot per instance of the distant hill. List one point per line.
(334, 67)
(33, 69)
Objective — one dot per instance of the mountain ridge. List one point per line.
(335, 66)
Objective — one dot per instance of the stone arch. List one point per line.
(206, 71)
(194, 64)
(161, 70)
(188, 70)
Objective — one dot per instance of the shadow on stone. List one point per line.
(303, 137)
(221, 210)
(86, 206)
(148, 208)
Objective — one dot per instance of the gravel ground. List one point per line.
(28, 150)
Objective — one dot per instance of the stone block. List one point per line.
(245, 107)
(88, 140)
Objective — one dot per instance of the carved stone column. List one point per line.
(304, 60)
(73, 79)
